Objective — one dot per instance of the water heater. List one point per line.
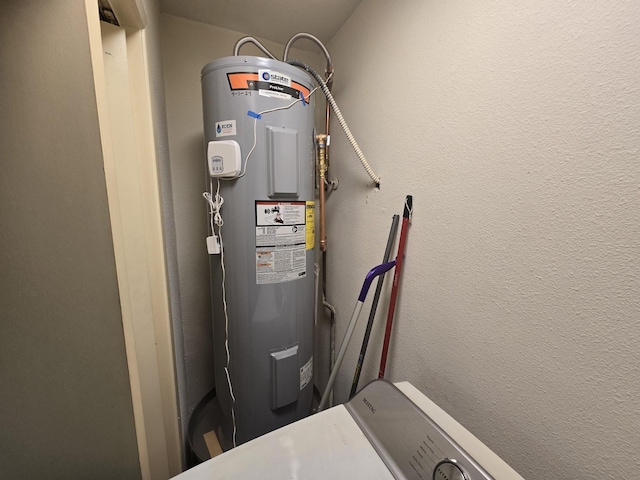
(259, 126)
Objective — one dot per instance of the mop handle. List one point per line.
(374, 272)
(408, 207)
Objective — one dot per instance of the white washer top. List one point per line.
(331, 444)
(328, 444)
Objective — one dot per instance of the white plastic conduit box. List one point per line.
(223, 158)
(385, 432)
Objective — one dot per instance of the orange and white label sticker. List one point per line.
(267, 82)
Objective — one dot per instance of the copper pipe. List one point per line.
(323, 239)
(321, 141)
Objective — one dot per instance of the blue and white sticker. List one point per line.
(226, 128)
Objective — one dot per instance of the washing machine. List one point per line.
(387, 431)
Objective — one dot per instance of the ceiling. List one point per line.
(276, 20)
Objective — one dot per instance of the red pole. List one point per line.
(408, 207)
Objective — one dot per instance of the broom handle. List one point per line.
(374, 272)
(408, 206)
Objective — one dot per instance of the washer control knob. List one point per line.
(449, 469)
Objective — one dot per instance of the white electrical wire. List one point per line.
(226, 331)
(253, 147)
(255, 127)
(215, 219)
(215, 204)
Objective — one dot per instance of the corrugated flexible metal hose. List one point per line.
(341, 120)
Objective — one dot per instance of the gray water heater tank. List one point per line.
(268, 239)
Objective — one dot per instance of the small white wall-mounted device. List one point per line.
(223, 159)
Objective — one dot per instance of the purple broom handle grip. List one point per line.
(373, 273)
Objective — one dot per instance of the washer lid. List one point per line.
(326, 445)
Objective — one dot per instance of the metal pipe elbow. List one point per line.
(314, 39)
(256, 42)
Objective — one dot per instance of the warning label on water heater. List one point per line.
(281, 239)
(306, 373)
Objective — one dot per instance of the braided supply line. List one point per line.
(341, 120)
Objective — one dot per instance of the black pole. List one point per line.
(374, 306)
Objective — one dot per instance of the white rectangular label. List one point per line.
(281, 254)
(306, 373)
(225, 128)
(272, 94)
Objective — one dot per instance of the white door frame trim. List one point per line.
(136, 223)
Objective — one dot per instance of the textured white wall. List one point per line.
(516, 126)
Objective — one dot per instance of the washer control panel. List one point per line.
(409, 442)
